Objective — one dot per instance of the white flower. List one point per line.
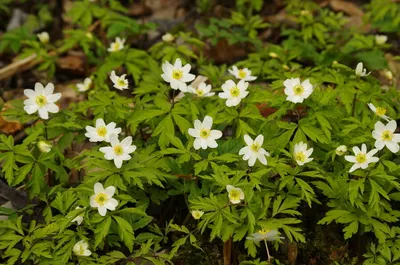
(380, 39)
(385, 136)
(120, 82)
(117, 45)
(254, 150)
(360, 70)
(379, 111)
(388, 74)
(265, 235)
(102, 199)
(243, 74)
(296, 92)
(79, 218)
(341, 150)
(234, 93)
(301, 154)
(362, 158)
(202, 90)
(81, 248)
(197, 214)
(176, 75)
(102, 131)
(42, 100)
(82, 87)
(118, 151)
(168, 37)
(205, 137)
(43, 37)
(235, 195)
(44, 146)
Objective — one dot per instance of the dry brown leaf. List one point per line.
(346, 7)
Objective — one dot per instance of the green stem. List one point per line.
(268, 255)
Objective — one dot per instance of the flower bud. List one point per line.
(341, 150)
(273, 55)
(168, 37)
(388, 74)
(44, 147)
(197, 214)
(380, 39)
(43, 37)
(89, 35)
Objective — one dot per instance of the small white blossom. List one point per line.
(361, 158)
(234, 93)
(202, 90)
(235, 195)
(120, 82)
(44, 37)
(197, 214)
(42, 100)
(265, 235)
(341, 150)
(360, 70)
(117, 45)
(385, 136)
(301, 154)
(103, 199)
(81, 248)
(296, 92)
(79, 218)
(176, 75)
(242, 74)
(82, 87)
(205, 137)
(380, 39)
(44, 146)
(102, 131)
(118, 151)
(254, 150)
(168, 37)
(379, 111)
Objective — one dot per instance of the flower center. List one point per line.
(242, 74)
(41, 100)
(177, 74)
(380, 111)
(235, 92)
(387, 135)
(101, 131)
(235, 195)
(121, 82)
(199, 92)
(101, 198)
(264, 231)
(298, 90)
(118, 150)
(300, 156)
(361, 158)
(116, 46)
(255, 147)
(204, 133)
(81, 250)
(197, 215)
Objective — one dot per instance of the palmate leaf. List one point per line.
(125, 231)
(102, 230)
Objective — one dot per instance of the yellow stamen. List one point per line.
(101, 198)
(116, 46)
(41, 100)
(242, 74)
(204, 133)
(121, 82)
(380, 111)
(300, 156)
(118, 150)
(101, 131)
(255, 147)
(361, 158)
(264, 231)
(234, 195)
(298, 90)
(387, 135)
(177, 74)
(199, 92)
(234, 91)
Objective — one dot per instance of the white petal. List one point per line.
(215, 134)
(98, 188)
(39, 88)
(118, 162)
(248, 140)
(392, 125)
(102, 210)
(30, 93)
(48, 90)
(110, 191)
(194, 132)
(392, 146)
(52, 108)
(259, 140)
(127, 141)
(196, 144)
(207, 122)
(43, 113)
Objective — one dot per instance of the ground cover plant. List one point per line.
(200, 132)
